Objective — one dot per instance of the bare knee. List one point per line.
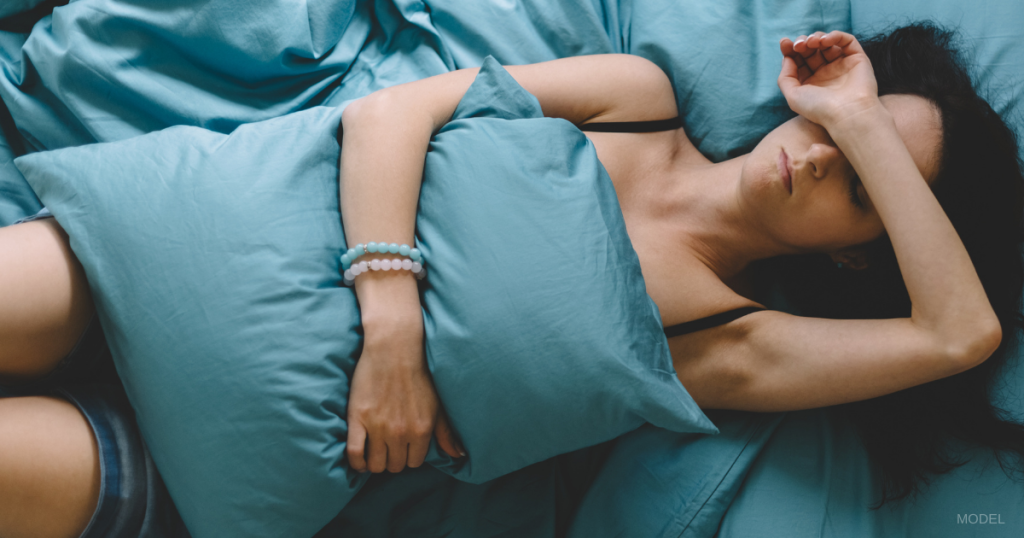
(47, 304)
(49, 469)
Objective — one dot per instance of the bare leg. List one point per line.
(46, 303)
(49, 469)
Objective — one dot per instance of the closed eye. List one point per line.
(854, 194)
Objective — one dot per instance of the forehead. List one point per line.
(919, 124)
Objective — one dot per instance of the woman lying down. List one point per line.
(894, 171)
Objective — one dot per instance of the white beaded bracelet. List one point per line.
(397, 264)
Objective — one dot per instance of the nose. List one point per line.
(821, 158)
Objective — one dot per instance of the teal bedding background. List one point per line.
(102, 70)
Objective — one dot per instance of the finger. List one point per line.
(800, 61)
(815, 61)
(847, 43)
(446, 437)
(789, 78)
(788, 75)
(827, 46)
(800, 46)
(814, 40)
(418, 449)
(832, 53)
(813, 43)
(376, 454)
(398, 454)
(355, 445)
(803, 47)
(803, 73)
(786, 46)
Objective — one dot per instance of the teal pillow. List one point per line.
(723, 59)
(535, 303)
(213, 260)
(991, 34)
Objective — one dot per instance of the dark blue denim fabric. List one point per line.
(133, 500)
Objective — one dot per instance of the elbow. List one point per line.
(978, 344)
(991, 337)
(390, 110)
(350, 115)
(362, 107)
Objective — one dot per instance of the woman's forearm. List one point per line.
(384, 145)
(947, 297)
(381, 168)
(393, 407)
(380, 173)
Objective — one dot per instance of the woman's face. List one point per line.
(823, 207)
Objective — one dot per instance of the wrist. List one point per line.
(388, 301)
(860, 120)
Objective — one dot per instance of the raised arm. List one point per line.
(771, 361)
(392, 406)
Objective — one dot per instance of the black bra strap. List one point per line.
(710, 321)
(633, 126)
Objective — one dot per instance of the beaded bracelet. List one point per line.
(384, 265)
(383, 248)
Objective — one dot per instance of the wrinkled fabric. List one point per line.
(101, 70)
(14, 7)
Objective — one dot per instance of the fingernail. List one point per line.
(462, 453)
(798, 41)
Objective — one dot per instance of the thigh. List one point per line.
(49, 468)
(46, 305)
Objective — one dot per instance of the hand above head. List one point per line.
(827, 78)
(393, 407)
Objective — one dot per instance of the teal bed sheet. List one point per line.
(106, 70)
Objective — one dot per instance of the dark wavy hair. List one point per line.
(981, 188)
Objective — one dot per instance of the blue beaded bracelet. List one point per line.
(384, 248)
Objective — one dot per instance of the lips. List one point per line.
(784, 172)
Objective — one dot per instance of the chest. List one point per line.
(682, 286)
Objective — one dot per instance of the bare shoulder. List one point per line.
(636, 89)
